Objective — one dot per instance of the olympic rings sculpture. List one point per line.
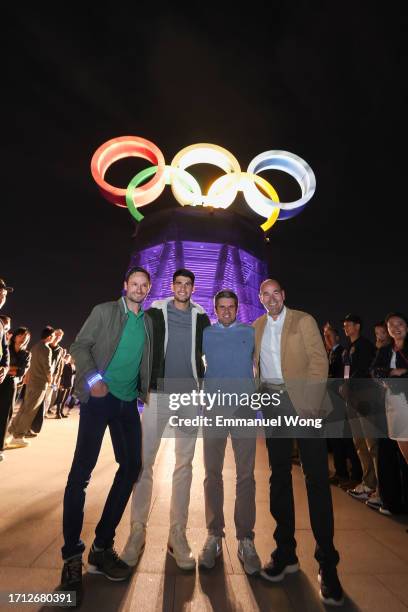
(185, 187)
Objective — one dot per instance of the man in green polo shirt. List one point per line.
(112, 353)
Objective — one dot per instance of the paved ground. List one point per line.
(373, 548)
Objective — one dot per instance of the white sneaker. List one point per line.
(135, 544)
(2, 457)
(13, 442)
(374, 501)
(211, 550)
(249, 557)
(179, 548)
(360, 492)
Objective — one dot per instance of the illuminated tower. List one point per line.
(223, 249)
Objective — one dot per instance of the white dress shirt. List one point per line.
(270, 358)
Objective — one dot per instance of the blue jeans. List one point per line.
(123, 421)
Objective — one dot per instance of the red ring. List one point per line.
(128, 146)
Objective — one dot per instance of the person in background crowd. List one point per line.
(393, 361)
(39, 379)
(390, 368)
(4, 366)
(20, 359)
(357, 390)
(343, 448)
(57, 360)
(66, 384)
(382, 337)
(6, 320)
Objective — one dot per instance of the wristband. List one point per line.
(92, 380)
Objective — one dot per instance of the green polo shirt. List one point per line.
(122, 372)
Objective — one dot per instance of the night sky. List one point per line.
(323, 80)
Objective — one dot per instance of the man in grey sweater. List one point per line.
(176, 368)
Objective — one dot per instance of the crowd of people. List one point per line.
(35, 383)
(124, 354)
(370, 382)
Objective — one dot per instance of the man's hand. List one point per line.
(99, 389)
(3, 374)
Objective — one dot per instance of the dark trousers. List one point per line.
(38, 421)
(7, 394)
(313, 454)
(60, 400)
(343, 449)
(123, 421)
(392, 476)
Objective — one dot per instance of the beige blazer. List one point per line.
(304, 361)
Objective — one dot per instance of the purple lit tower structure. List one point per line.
(224, 250)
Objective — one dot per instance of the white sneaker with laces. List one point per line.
(249, 557)
(135, 544)
(13, 442)
(211, 550)
(179, 548)
(360, 492)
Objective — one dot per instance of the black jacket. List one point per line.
(21, 360)
(359, 356)
(381, 364)
(336, 365)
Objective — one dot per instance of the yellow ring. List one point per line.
(205, 153)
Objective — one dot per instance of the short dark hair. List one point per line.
(380, 324)
(5, 318)
(184, 272)
(225, 293)
(47, 331)
(400, 315)
(135, 269)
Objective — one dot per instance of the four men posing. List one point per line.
(122, 354)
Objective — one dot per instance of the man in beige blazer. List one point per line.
(290, 358)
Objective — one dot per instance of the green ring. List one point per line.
(138, 180)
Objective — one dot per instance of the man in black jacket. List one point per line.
(343, 448)
(177, 367)
(359, 392)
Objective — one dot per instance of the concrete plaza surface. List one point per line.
(373, 548)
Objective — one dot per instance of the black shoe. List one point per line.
(276, 570)
(331, 591)
(71, 578)
(107, 562)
